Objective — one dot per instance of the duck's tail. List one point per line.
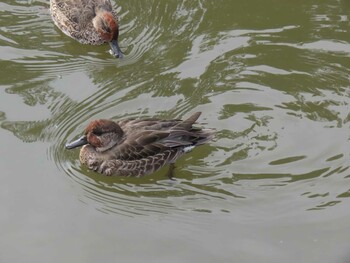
(187, 124)
(184, 133)
(203, 136)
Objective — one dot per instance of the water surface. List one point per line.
(271, 77)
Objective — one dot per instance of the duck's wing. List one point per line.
(145, 138)
(141, 145)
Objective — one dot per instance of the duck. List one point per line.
(88, 21)
(136, 147)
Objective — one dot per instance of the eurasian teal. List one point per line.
(135, 147)
(87, 21)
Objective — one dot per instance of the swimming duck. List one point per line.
(135, 147)
(87, 21)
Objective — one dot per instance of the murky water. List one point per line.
(271, 77)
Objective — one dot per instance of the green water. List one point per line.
(272, 77)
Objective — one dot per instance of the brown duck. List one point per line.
(88, 21)
(135, 147)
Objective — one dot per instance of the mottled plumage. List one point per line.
(87, 21)
(135, 147)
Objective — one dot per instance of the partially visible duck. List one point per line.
(135, 147)
(87, 21)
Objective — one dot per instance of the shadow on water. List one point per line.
(278, 98)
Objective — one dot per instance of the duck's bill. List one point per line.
(77, 143)
(115, 49)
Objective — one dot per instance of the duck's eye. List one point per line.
(106, 27)
(98, 132)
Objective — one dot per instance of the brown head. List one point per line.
(108, 29)
(101, 134)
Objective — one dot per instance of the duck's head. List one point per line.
(108, 29)
(101, 134)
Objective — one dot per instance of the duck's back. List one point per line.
(133, 126)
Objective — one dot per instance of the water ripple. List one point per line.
(279, 104)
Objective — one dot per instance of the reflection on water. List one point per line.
(275, 90)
